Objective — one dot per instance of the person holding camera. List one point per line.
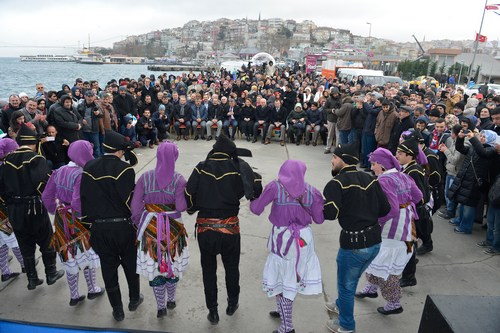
(147, 129)
(90, 124)
(162, 122)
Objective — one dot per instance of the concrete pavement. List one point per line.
(455, 267)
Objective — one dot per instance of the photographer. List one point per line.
(147, 129)
(54, 148)
(90, 124)
(128, 129)
(162, 122)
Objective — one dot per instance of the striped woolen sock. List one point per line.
(285, 306)
(19, 256)
(171, 289)
(90, 277)
(73, 285)
(159, 292)
(4, 260)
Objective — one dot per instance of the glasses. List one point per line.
(39, 88)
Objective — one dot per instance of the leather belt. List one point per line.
(110, 220)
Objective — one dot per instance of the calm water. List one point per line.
(17, 76)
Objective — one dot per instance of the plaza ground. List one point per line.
(455, 267)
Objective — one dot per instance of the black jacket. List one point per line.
(278, 116)
(67, 123)
(465, 188)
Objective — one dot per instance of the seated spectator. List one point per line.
(296, 124)
(128, 129)
(199, 115)
(54, 148)
(314, 122)
(162, 123)
(147, 130)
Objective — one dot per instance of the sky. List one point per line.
(36, 27)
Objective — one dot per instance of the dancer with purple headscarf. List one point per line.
(7, 236)
(71, 239)
(158, 201)
(398, 232)
(292, 265)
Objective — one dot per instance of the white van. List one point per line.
(370, 76)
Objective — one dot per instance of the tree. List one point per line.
(432, 71)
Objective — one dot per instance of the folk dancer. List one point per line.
(7, 236)
(22, 180)
(398, 232)
(71, 239)
(214, 189)
(106, 192)
(411, 158)
(292, 265)
(158, 201)
(360, 237)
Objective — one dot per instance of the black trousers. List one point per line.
(115, 243)
(211, 244)
(32, 227)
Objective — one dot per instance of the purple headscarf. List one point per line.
(7, 146)
(385, 158)
(291, 176)
(80, 152)
(166, 156)
(421, 158)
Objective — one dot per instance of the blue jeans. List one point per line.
(234, 124)
(368, 145)
(354, 135)
(493, 234)
(465, 219)
(451, 206)
(343, 137)
(350, 265)
(93, 138)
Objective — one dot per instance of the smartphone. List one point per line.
(50, 138)
(466, 131)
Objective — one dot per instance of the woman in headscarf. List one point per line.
(162, 254)
(398, 232)
(71, 239)
(471, 181)
(292, 265)
(7, 237)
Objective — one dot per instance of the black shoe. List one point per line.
(75, 301)
(231, 309)
(424, 249)
(209, 138)
(446, 216)
(7, 277)
(134, 304)
(248, 138)
(203, 137)
(171, 305)
(54, 276)
(31, 273)
(361, 295)
(292, 331)
(95, 295)
(297, 143)
(118, 313)
(196, 137)
(254, 140)
(33, 283)
(275, 314)
(213, 317)
(385, 312)
(161, 313)
(408, 282)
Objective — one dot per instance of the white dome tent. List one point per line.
(261, 58)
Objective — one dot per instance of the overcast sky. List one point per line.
(29, 26)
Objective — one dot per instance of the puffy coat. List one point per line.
(465, 188)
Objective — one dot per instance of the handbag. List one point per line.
(482, 183)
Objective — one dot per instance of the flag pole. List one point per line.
(476, 42)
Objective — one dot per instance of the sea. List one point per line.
(19, 76)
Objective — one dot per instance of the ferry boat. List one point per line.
(47, 58)
(90, 58)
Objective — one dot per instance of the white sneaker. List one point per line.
(334, 326)
(332, 307)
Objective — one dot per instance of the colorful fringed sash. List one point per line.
(229, 225)
(70, 234)
(5, 226)
(162, 233)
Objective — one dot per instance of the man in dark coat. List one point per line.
(405, 123)
(214, 189)
(22, 179)
(106, 191)
(68, 122)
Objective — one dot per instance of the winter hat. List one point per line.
(385, 158)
